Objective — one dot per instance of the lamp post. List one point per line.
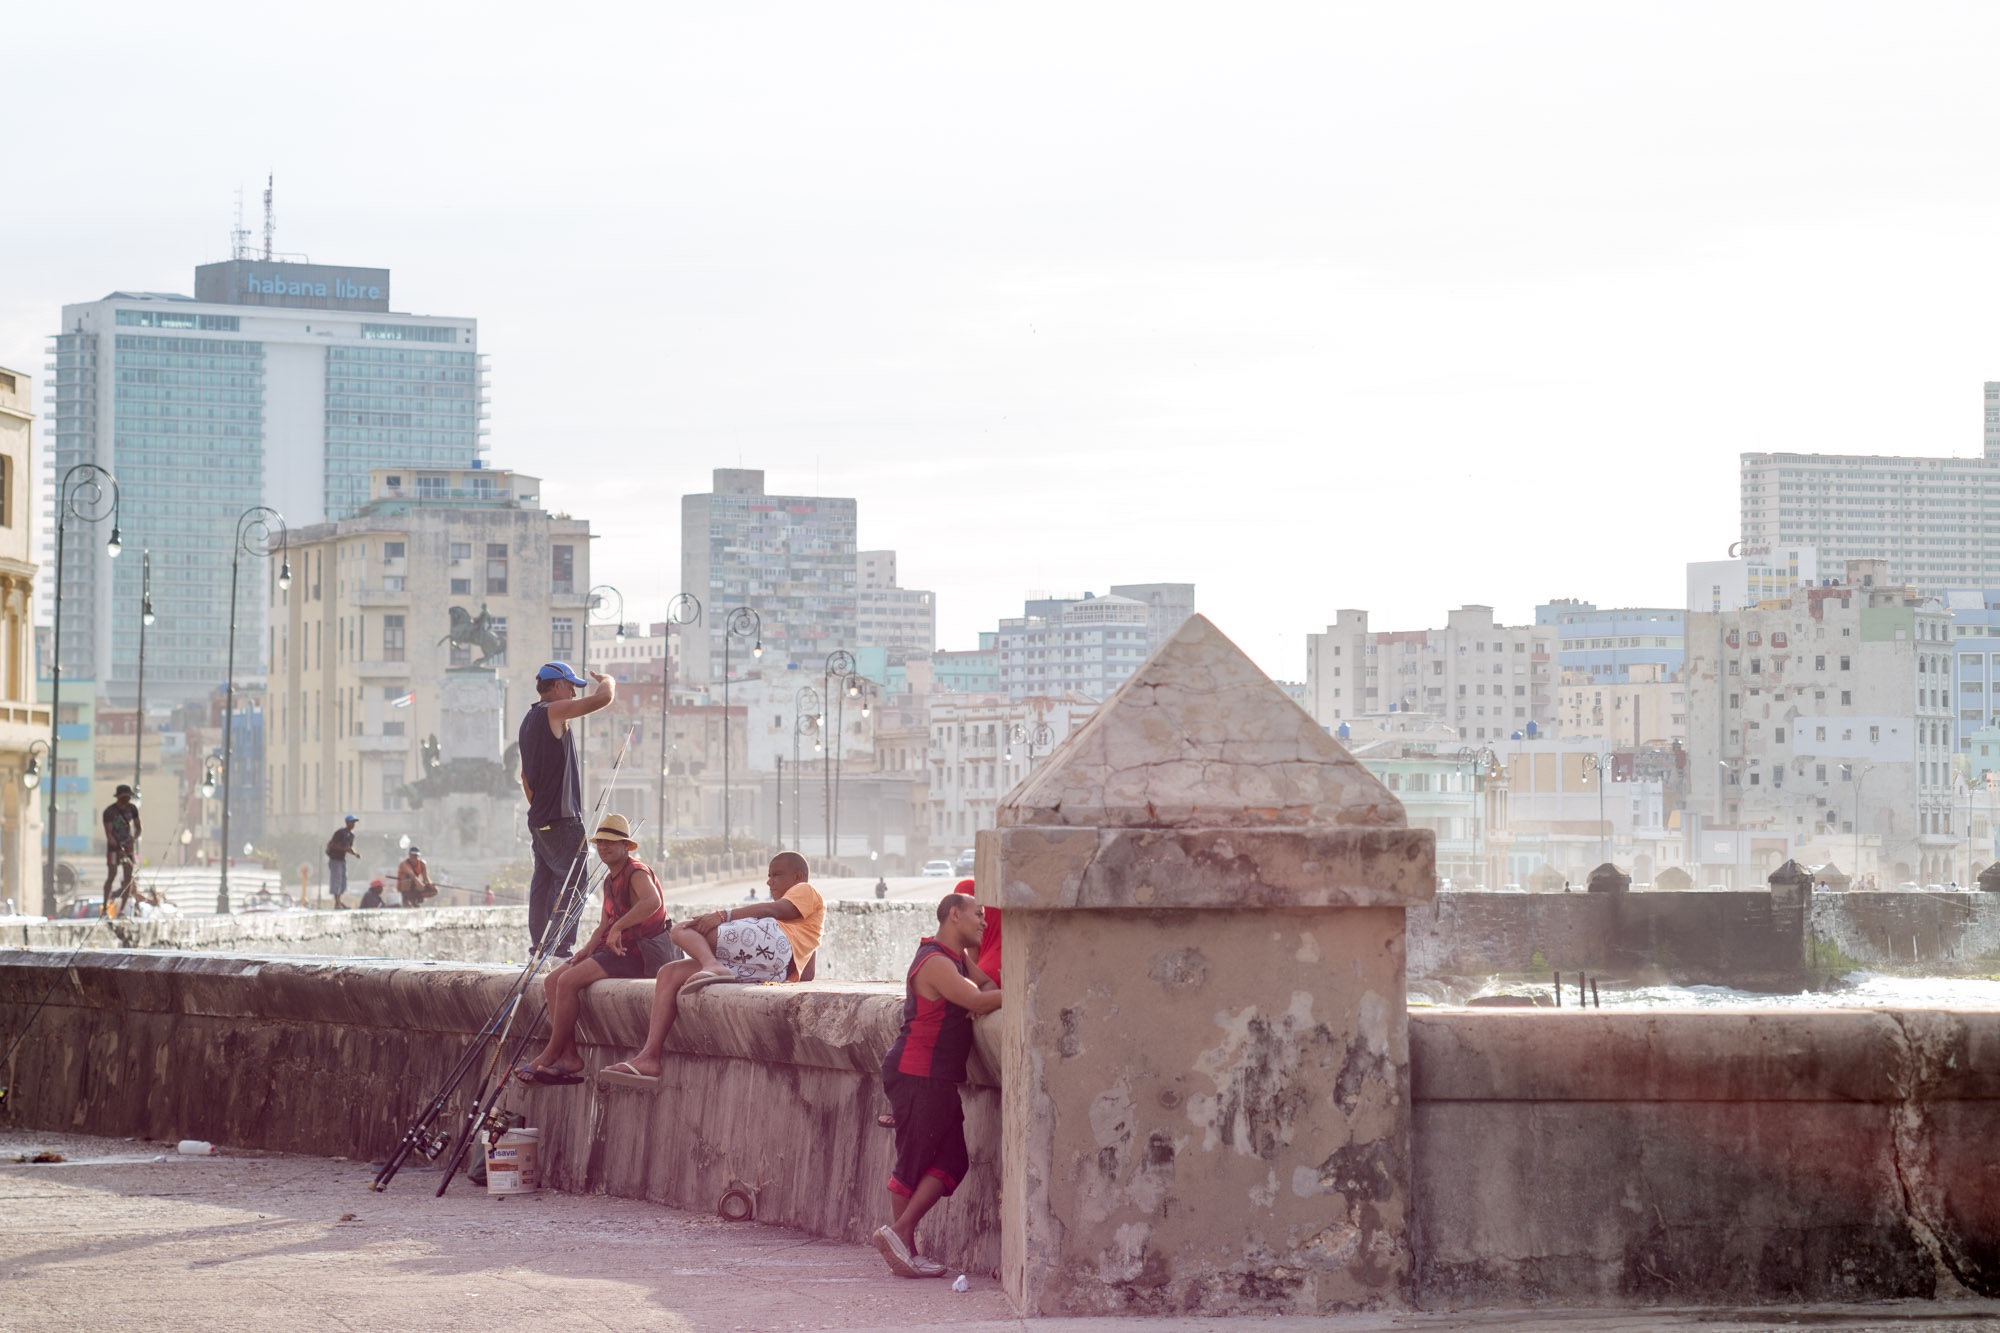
(740, 623)
(253, 537)
(1600, 764)
(839, 667)
(683, 609)
(139, 708)
(805, 719)
(80, 495)
(1038, 737)
(596, 600)
(1480, 761)
(1856, 772)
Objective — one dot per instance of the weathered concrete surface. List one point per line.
(864, 941)
(253, 1241)
(1205, 1102)
(1935, 932)
(1754, 938)
(1589, 1157)
(774, 1086)
(1572, 1158)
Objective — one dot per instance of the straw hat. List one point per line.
(614, 829)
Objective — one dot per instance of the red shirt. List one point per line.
(618, 901)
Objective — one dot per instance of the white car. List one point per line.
(937, 870)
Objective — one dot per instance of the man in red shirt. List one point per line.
(922, 1072)
(630, 941)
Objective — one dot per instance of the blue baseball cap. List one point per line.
(559, 671)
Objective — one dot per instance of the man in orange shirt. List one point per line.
(773, 941)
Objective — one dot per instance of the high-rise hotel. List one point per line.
(275, 383)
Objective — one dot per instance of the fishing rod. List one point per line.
(562, 926)
(423, 1136)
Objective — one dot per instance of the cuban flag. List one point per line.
(405, 701)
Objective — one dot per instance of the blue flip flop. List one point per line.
(542, 1075)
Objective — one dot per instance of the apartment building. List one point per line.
(1486, 680)
(441, 572)
(24, 720)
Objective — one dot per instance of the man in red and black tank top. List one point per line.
(630, 941)
(922, 1071)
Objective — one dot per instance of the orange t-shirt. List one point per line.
(804, 931)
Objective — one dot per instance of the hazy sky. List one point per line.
(1398, 306)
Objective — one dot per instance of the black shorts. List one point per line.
(930, 1131)
(638, 964)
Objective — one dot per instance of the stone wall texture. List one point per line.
(864, 941)
(1572, 1157)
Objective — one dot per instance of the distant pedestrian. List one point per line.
(338, 848)
(553, 782)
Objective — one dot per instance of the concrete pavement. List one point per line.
(131, 1232)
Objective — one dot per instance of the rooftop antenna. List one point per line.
(270, 221)
(239, 235)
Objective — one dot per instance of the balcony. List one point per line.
(379, 744)
(380, 597)
(383, 670)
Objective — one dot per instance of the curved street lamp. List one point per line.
(254, 528)
(1600, 764)
(596, 600)
(1041, 736)
(139, 708)
(683, 609)
(805, 722)
(80, 495)
(740, 623)
(839, 668)
(31, 777)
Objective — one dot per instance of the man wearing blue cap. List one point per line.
(554, 784)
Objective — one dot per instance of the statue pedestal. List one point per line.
(471, 703)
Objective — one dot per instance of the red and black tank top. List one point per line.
(618, 901)
(937, 1034)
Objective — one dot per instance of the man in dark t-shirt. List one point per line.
(922, 1072)
(554, 786)
(122, 828)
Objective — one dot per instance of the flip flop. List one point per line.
(623, 1075)
(886, 1121)
(545, 1076)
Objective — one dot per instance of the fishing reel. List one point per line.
(431, 1143)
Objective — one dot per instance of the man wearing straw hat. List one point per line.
(630, 941)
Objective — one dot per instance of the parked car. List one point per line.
(965, 862)
(937, 870)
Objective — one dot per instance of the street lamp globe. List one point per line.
(116, 544)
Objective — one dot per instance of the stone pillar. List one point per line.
(1206, 1097)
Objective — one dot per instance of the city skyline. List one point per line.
(1422, 310)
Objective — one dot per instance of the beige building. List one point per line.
(440, 570)
(900, 621)
(1824, 720)
(1485, 680)
(981, 746)
(22, 720)
(1648, 711)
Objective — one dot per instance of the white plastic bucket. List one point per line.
(514, 1164)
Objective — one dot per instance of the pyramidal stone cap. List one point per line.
(1201, 785)
(1199, 737)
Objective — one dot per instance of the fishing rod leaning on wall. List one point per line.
(491, 1041)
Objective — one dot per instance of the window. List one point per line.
(461, 551)
(1847, 697)
(6, 491)
(496, 569)
(1874, 734)
(562, 637)
(1819, 662)
(432, 486)
(1844, 663)
(392, 638)
(562, 571)
(409, 333)
(392, 551)
(461, 587)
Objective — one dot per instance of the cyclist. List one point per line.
(122, 829)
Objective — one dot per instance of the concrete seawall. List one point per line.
(864, 941)
(1573, 1158)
